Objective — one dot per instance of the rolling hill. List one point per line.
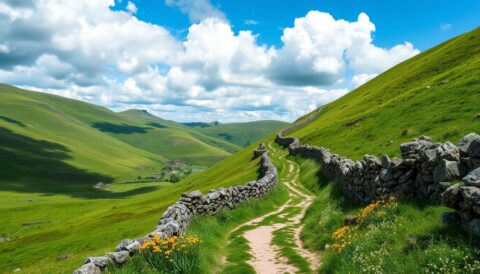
(240, 134)
(64, 145)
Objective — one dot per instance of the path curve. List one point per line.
(266, 256)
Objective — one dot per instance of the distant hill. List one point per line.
(62, 145)
(240, 134)
(50, 142)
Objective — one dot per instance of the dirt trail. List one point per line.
(265, 255)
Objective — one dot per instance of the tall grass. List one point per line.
(412, 240)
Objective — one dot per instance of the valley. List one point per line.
(169, 150)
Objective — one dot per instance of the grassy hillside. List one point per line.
(53, 150)
(170, 139)
(240, 134)
(54, 233)
(436, 93)
(47, 145)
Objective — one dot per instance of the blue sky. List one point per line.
(206, 60)
(425, 23)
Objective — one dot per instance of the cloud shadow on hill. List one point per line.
(119, 128)
(37, 166)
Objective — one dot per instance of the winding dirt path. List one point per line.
(265, 255)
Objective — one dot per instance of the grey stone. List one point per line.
(471, 195)
(89, 268)
(386, 161)
(474, 148)
(101, 261)
(474, 227)
(452, 196)
(386, 175)
(466, 141)
(120, 257)
(473, 178)
(133, 247)
(123, 245)
(448, 151)
(446, 171)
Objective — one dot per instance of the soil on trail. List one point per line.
(266, 256)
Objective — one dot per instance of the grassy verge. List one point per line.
(414, 240)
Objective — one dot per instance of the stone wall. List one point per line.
(178, 216)
(428, 170)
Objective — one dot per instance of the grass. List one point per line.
(414, 241)
(93, 222)
(435, 93)
(242, 134)
(213, 231)
(54, 150)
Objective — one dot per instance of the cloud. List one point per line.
(87, 51)
(251, 22)
(445, 27)
(4, 49)
(318, 50)
(131, 8)
(197, 10)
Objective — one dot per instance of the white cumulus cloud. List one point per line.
(131, 7)
(85, 50)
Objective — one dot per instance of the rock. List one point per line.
(101, 261)
(474, 227)
(123, 245)
(89, 268)
(471, 195)
(213, 195)
(17, 270)
(474, 148)
(452, 196)
(193, 194)
(386, 175)
(120, 257)
(473, 178)
(133, 247)
(410, 150)
(448, 151)
(450, 218)
(350, 219)
(446, 171)
(465, 143)
(385, 161)
(372, 161)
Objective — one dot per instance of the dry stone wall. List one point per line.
(427, 169)
(178, 216)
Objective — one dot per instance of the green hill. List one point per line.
(240, 134)
(48, 145)
(436, 93)
(172, 140)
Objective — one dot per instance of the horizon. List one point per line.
(200, 61)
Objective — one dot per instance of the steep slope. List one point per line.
(436, 93)
(47, 145)
(240, 134)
